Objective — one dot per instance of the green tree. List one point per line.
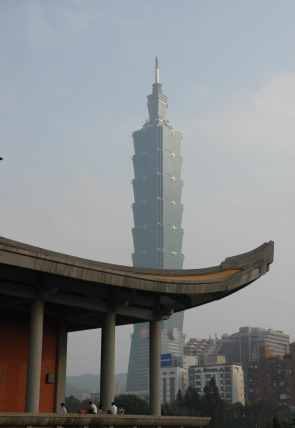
(235, 415)
(213, 405)
(179, 399)
(262, 411)
(256, 413)
(192, 401)
(276, 423)
(132, 404)
(73, 404)
(175, 410)
(187, 404)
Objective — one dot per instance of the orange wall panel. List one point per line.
(49, 351)
(14, 338)
(13, 363)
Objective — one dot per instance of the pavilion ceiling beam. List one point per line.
(14, 303)
(143, 314)
(78, 301)
(17, 290)
(136, 298)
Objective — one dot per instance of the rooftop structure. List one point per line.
(44, 295)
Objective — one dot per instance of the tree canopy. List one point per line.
(266, 413)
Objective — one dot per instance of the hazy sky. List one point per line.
(74, 76)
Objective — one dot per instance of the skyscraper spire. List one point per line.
(157, 79)
(157, 101)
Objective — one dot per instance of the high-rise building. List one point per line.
(157, 232)
(273, 376)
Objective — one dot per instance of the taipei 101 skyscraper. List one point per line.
(157, 232)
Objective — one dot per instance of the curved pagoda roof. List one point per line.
(81, 291)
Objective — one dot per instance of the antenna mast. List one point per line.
(157, 79)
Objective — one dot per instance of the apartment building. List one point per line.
(229, 379)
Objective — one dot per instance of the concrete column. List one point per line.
(107, 366)
(155, 368)
(34, 356)
(61, 365)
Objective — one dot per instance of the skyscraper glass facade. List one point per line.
(157, 232)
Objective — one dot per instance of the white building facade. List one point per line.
(172, 381)
(229, 380)
(185, 361)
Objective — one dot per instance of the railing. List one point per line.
(80, 420)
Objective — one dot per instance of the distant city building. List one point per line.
(215, 359)
(273, 376)
(85, 395)
(241, 347)
(174, 375)
(157, 232)
(229, 379)
(172, 380)
(184, 361)
(120, 387)
(95, 396)
(181, 361)
(249, 339)
(204, 349)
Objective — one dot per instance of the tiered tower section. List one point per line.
(157, 232)
(157, 187)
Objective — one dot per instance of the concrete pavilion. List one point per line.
(44, 295)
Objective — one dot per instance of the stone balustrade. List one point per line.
(81, 420)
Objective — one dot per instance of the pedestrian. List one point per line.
(121, 410)
(114, 409)
(92, 408)
(163, 412)
(63, 408)
(100, 409)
